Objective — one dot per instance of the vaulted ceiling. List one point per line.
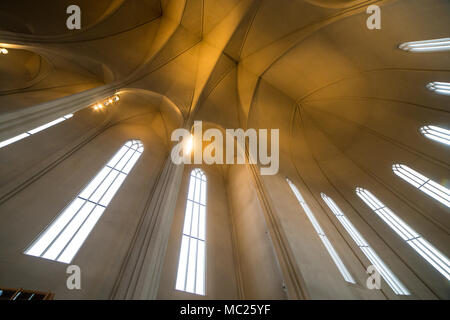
(347, 101)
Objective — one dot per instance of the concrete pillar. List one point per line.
(293, 281)
(141, 270)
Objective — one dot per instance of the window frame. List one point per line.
(184, 259)
(436, 134)
(26, 134)
(343, 270)
(54, 235)
(389, 277)
(432, 255)
(426, 46)
(422, 183)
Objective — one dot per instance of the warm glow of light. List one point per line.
(106, 102)
(4, 50)
(188, 145)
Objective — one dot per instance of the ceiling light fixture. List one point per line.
(107, 102)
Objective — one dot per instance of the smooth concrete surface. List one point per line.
(348, 104)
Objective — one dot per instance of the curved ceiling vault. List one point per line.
(287, 64)
(339, 92)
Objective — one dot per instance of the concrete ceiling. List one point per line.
(338, 92)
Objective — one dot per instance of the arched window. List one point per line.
(192, 261)
(427, 45)
(337, 260)
(65, 235)
(436, 133)
(440, 88)
(424, 184)
(376, 261)
(36, 130)
(439, 261)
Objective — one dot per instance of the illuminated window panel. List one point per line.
(438, 260)
(424, 184)
(337, 260)
(427, 45)
(436, 133)
(36, 130)
(439, 88)
(376, 261)
(192, 261)
(66, 234)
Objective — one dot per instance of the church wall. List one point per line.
(322, 278)
(260, 272)
(100, 258)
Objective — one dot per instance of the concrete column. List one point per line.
(141, 270)
(293, 281)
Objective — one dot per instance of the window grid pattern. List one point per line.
(433, 45)
(191, 265)
(436, 133)
(337, 260)
(381, 267)
(36, 130)
(424, 184)
(439, 261)
(439, 87)
(64, 237)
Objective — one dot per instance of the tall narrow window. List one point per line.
(337, 260)
(427, 45)
(439, 261)
(436, 133)
(36, 130)
(191, 265)
(440, 88)
(424, 184)
(381, 267)
(64, 237)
